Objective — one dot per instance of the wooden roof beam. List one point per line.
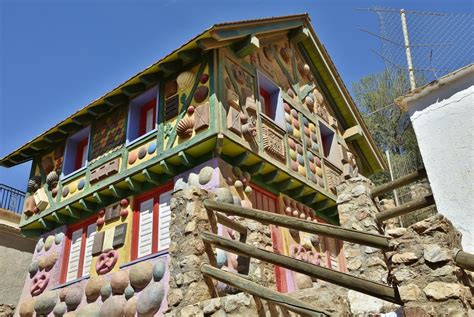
(190, 55)
(133, 89)
(246, 46)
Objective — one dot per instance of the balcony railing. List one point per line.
(11, 199)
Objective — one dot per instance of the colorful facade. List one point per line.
(253, 111)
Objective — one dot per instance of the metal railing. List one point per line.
(11, 199)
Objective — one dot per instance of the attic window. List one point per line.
(271, 103)
(329, 144)
(77, 151)
(142, 115)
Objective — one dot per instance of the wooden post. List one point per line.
(407, 179)
(464, 260)
(405, 208)
(345, 280)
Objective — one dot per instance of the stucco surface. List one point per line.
(444, 130)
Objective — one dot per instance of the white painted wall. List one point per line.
(443, 121)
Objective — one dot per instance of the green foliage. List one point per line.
(390, 127)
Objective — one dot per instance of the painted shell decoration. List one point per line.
(285, 54)
(185, 127)
(52, 178)
(268, 53)
(185, 80)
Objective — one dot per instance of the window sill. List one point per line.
(144, 258)
(70, 282)
(140, 138)
(72, 174)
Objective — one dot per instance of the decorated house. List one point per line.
(253, 112)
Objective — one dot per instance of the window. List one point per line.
(142, 114)
(329, 143)
(77, 151)
(270, 99)
(151, 221)
(78, 250)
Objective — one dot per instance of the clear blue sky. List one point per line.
(57, 56)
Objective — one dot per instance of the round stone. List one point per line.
(221, 258)
(289, 128)
(291, 143)
(238, 184)
(205, 175)
(248, 189)
(132, 158)
(237, 171)
(305, 122)
(65, 191)
(33, 268)
(48, 243)
(193, 179)
(130, 308)
(287, 117)
(47, 261)
(39, 245)
(45, 303)
(286, 107)
(70, 314)
(73, 189)
(204, 78)
(201, 94)
(224, 195)
(151, 148)
(294, 113)
(73, 297)
(113, 306)
(62, 294)
(159, 269)
(303, 281)
(141, 152)
(141, 274)
(105, 291)
(60, 309)
(310, 156)
(58, 238)
(89, 310)
(81, 184)
(247, 176)
(315, 147)
(237, 200)
(27, 308)
(300, 159)
(93, 288)
(150, 299)
(129, 292)
(119, 282)
(296, 124)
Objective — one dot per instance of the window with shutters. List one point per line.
(142, 115)
(78, 250)
(151, 221)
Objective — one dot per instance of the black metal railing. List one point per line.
(11, 199)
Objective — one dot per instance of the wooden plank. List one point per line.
(186, 159)
(133, 184)
(407, 179)
(151, 177)
(171, 67)
(117, 192)
(299, 34)
(464, 260)
(246, 46)
(116, 100)
(225, 221)
(151, 78)
(342, 279)
(255, 289)
(190, 55)
(133, 89)
(168, 168)
(259, 306)
(88, 206)
(405, 208)
(256, 168)
(373, 240)
(271, 177)
(59, 218)
(73, 212)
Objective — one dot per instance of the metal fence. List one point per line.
(11, 199)
(431, 44)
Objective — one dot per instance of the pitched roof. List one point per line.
(216, 36)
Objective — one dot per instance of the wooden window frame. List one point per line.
(67, 247)
(143, 112)
(155, 194)
(268, 107)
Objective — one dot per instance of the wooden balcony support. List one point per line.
(464, 260)
(407, 179)
(405, 208)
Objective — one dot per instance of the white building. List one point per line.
(442, 114)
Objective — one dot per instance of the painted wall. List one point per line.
(444, 124)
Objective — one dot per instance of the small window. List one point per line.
(77, 151)
(329, 144)
(270, 99)
(78, 250)
(142, 114)
(151, 220)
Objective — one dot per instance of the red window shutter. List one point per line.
(81, 151)
(268, 102)
(144, 114)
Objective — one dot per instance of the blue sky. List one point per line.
(57, 56)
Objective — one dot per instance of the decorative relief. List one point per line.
(105, 170)
(273, 143)
(333, 177)
(109, 132)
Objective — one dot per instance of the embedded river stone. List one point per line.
(48, 261)
(205, 175)
(49, 242)
(130, 307)
(224, 195)
(105, 291)
(89, 310)
(39, 245)
(45, 303)
(27, 308)
(73, 297)
(119, 282)
(60, 309)
(113, 306)
(140, 274)
(150, 299)
(33, 268)
(158, 271)
(58, 238)
(93, 287)
(129, 292)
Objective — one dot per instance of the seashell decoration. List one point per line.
(52, 178)
(185, 80)
(185, 126)
(268, 53)
(285, 54)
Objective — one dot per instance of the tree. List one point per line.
(390, 127)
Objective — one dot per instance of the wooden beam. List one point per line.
(151, 78)
(59, 218)
(83, 119)
(353, 133)
(171, 67)
(73, 212)
(464, 260)
(402, 181)
(55, 136)
(405, 208)
(225, 221)
(211, 43)
(88, 206)
(337, 232)
(309, 199)
(320, 205)
(40, 145)
(256, 168)
(240, 159)
(168, 168)
(299, 34)
(133, 89)
(271, 177)
(46, 224)
(116, 100)
(133, 184)
(31, 233)
(186, 159)
(246, 46)
(260, 291)
(297, 192)
(190, 55)
(100, 199)
(342, 279)
(69, 128)
(285, 184)
(117, 192)
(151, 177)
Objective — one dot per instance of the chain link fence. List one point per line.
(439, 43)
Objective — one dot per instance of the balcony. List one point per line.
(11, 199)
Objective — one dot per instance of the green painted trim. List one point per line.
(245, 30)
